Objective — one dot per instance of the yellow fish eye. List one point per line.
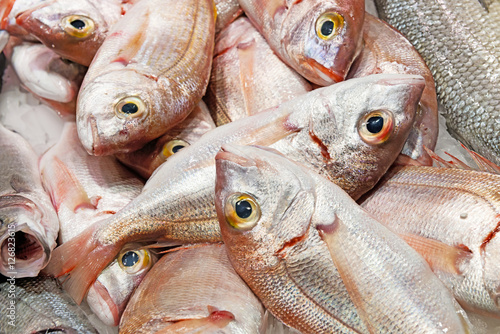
(329, 25)
(78, 26)
(376, 127)
(242, 211)
(133, 261)
(129, 106)
(173, 146)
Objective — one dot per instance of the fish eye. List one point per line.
(242, 211)
(329, 25)
(376, 126)
(133, 261)
(173, 146)
(129, 107)
(77, 25)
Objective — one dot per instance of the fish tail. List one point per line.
(82, 259)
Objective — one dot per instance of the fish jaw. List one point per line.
(325, 62)
(22, 229)
(101, 303)
(102, 129)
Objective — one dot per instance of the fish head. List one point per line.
(259, 202)
(74, 29)
(109, 294)
(116, 112)
(356, 133)
(24, 243)
(325, 40)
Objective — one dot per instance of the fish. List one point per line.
(278, 219)
(247, 77)
(4, 38)
(463, 54)
(176, 205)
(146, 160)
(451, 216)
(51, 79)
(387, 51)
(40, 305)
(9, 9)
(110, 293)
(28, 222)
(147, 76)
(193, 288)
(85, 190)
(227, 12)
(318, 39)
(74, 30)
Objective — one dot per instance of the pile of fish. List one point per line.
(223, 164)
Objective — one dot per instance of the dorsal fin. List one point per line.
(482, 164)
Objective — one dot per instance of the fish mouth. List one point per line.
(101, 303)
(234, 154)
(328, 75)
(89, 136)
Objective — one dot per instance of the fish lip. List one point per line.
(93, 146)
(327, 75)
(99, 299)
(231, 153)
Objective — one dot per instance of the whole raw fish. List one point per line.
(451, 217)
(40, 306)
(353, 148)
(28, 222)
(270, 210)
(227, 12)
(73, 29)
(146, 160)
(193, 290)
(319, 39)
(460, 44)
(247, 77)
(387, 51)
(47, 76)
(86, 189)
(149, 73)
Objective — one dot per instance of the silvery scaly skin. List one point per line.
(459, 42)
(146, 160)
(319, 39)
(73, 29)
(41, 306)
(387, 51)
(150, 72)
(270, 211)
(227, 12)
(47, 76)
(195, 288)
(28, 222)
(460, 211)
(85, 190)
(247, 76)
(177, 203)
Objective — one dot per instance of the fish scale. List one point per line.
(456, 40)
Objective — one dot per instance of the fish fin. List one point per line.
(181, 247)
(82, 259)
(438, 160)
(68, 189)
(483, 164)
(438, 255)
(246, 57)
(5, 9)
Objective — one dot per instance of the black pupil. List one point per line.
(327, 28)
(130, 258)
(130, 108)
(177, 148)
(78, 24)
(243, 209)
(375, 124)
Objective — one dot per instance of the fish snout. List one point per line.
(89, 136)
(101, 303)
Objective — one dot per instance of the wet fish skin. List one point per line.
(186, 286)
(176, 204)
(162, 81)
(247, 76)
(227, 12)
(41, 307)
(25, 209)
(290, 29)
(146, 160)
(387, 51)
(46, 21)
(463, 54)
(458, 208)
